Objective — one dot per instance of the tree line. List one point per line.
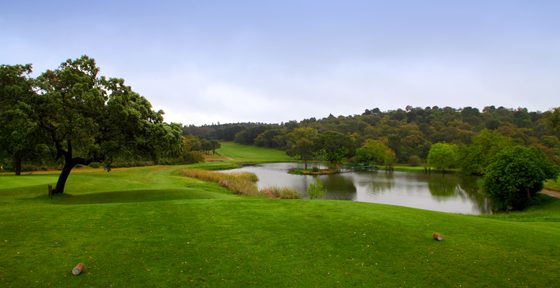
(409, 133)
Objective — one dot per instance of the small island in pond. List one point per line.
(314, 171)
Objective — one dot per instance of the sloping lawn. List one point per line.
(150, 227)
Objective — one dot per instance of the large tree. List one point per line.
(375, 152)
(336, 146)
(443, 156)
(90, 118)
(303, 143)
(18, 127)
(516, 175)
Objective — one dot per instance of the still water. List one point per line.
(447, 193)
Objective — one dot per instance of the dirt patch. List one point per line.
(551, 193)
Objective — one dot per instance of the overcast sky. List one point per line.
(206, 61)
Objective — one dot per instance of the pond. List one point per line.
(447, 193)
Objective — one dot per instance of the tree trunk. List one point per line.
(68, 165)
(17, 165)
(155, 157)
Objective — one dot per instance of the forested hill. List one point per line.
(409, 132)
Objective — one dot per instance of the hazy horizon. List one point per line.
(359, 113)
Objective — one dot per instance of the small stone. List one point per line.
(437, 236)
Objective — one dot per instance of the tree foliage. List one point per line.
(90, 118)
(409, 132)
(192, 149)
(303, 142)
(516, 175)
(335, 147)
(375, 152)
(443, 156)
(209, 146)
(19, 135)
(552, 119)
(271, 138)
(474, 158)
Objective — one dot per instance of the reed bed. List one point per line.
(280, 192)
(242, 183)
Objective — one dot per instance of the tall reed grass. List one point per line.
(242, 183)
(280, 192)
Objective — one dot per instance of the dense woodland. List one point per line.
(410, 132)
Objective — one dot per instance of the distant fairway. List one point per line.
(251, 154)
(150, 227)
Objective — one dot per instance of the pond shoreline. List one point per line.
(453, 192)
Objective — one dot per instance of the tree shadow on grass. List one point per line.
(129, 196)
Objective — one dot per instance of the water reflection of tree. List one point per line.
(470, 185)
(442, 186)
(464, 187)
(380, 182)
(339, 187)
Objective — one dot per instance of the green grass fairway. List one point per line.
(150, 227)
(553, 184)
(252, 154)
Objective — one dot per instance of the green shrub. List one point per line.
(131, 163)
(193, 157)
(30, 168)
(414, 161)
(94, 164)
(316, 190)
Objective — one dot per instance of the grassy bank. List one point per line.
(553, 184)
(408, 168)
(153, 227)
